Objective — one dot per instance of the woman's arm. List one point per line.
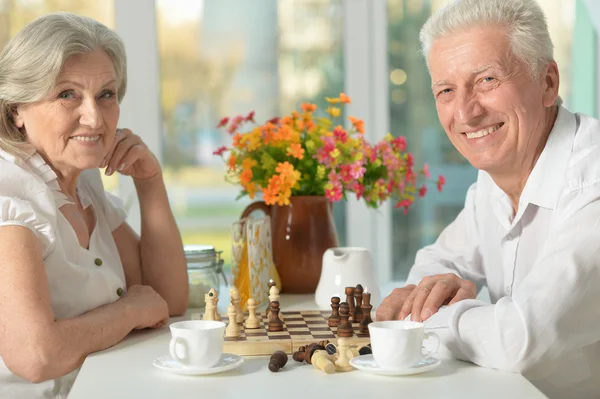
(157, 258)
(33, 344)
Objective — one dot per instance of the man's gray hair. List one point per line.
(32, 60)
(523, 20)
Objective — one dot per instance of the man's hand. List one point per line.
(433, 292)
(392, 305)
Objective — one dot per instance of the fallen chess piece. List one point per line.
(321, 360)
(277, 361)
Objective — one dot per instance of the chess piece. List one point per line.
(274, 297)
(343, 361)
(210, 306)
(232, 330)
(275, 324)
(310, 351)
(365, 350)
(234, 295)
(334, 319)
(331, 349)
(252, 321)
(366, 310)
(344, 328)
(271, 285)
(350, 299)
(300, 354)
(358, 298)
(277, 361)
(322, 361)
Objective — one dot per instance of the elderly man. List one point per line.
(530, 228)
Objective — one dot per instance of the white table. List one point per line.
(126, 371)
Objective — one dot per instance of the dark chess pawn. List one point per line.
(268, 309)
(344, 328)
(310, 351)
(358, 298)
(300, 354)
(331, 349)
(350, 299)
(278, 360)
(365, 350)
(275, 323)
(366, 310)
(334, 319)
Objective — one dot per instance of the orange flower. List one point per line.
(307, 107)
(231, 162)
(345, 99)
(246, 176)
(296, 151)
(359, 124)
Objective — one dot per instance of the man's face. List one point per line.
(491, 108)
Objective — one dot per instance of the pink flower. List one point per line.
(357, 170)
(399, 144)
(423, 191)
(358, 189)
(346, 173)
(274, 121)
(250, 117)
(223, 122)
(440, 183)
(335, 193)
(333, 177)
(340, 134)
(426, 171)
(220, 150)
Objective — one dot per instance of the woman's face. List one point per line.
(74, 126)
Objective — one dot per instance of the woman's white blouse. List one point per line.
(79, 279)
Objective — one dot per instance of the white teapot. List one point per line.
(346, 267)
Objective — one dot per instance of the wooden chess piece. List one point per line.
(277, 361)
(310, 350)
(252, 321)
(300, 354)
(217, 314)
(271, 285)
(350, 299)
(344, 328)
(334, 319)
(365, 350)
(209, 307)
(275, 323)
(322, 361)
(366, 310)
(358, 298)
(234, 295)
(331, 349)
(343, 360)
(232, 330)
(274, 297)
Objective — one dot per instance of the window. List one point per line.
(224, 58)
(413, 115)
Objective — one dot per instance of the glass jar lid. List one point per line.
(201, 256)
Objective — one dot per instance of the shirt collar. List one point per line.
(543, 186)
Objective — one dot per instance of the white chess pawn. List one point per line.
(343, 361)
(274, 296)
(209, 309)
(252, 321)
(232, 330)
(234, 294)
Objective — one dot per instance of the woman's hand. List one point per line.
(147, 307)
(131, 157)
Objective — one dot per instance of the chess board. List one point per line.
(299, 328)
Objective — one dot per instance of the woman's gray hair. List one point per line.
(32, 60)
(524, 21)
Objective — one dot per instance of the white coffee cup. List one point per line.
(398, 344)
(197, 343)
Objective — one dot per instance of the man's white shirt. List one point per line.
(541, 266)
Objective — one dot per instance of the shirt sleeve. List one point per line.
(455, 251)
(553, 311)
(20, 212)
(113, 206)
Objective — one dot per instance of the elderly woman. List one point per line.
(74, 277)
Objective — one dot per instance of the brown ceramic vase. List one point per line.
(301, 233)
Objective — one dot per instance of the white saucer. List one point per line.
(367, 363)
(228, 361)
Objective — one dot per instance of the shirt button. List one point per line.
(98, 262)
(120, 291)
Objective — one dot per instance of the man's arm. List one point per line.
(451, 268)
(554, 310)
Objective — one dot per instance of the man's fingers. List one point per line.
(423, 292)
(466, 291)
(385, 312)
(407, 305)
(440, 293)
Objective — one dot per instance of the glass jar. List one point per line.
(205, 270)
